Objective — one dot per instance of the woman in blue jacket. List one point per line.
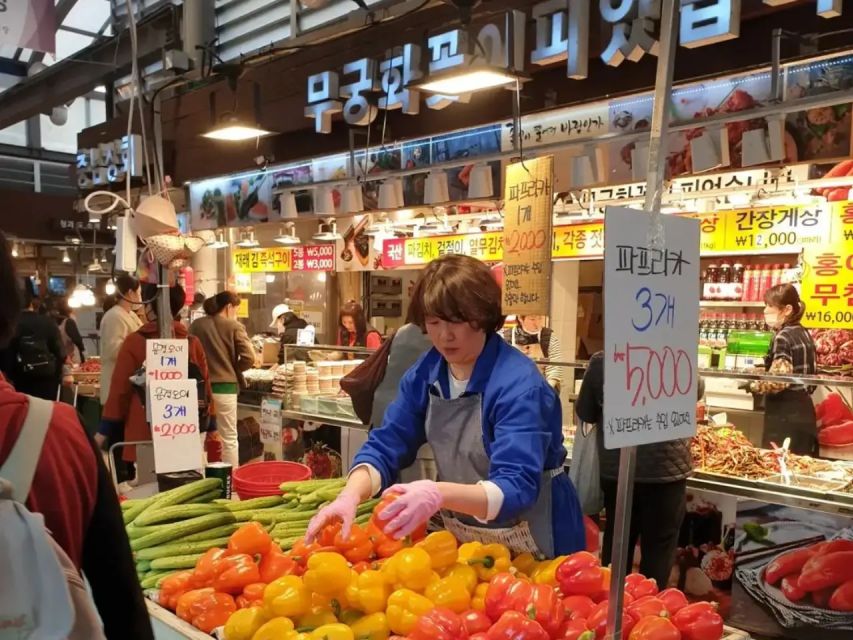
(494, 425)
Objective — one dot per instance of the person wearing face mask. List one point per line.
(229, 353)
(118, 322)
(494, 425)
(539, 342)
(286, 324)
(788, 408)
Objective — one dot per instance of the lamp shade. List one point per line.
(481, 184)
(324, 202)
(436, 189)
(352, 200)
(391, 194)
(154, 216)
(287, 200)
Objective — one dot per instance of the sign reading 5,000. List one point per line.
(650, 354)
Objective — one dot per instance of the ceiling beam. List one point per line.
(61, 11)
(97, 64)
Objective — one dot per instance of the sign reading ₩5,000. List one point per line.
(561, 34)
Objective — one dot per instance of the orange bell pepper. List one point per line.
(250, 539)
(275, 564)
(357, 548)
(205, 569)
(235, 573)
(327, 534)
(379, 523)
(385, 546)
(188, 599)
(173, 588)
(206, 609)
(252, 596)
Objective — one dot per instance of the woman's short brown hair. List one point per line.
(457, 289)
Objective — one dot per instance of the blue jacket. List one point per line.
(522, 432)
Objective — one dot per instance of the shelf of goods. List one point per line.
(731, 304)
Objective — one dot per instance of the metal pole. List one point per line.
(776, 65)
(654, 192)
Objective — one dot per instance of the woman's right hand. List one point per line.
(342, 508)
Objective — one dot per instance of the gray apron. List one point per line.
(454, 430)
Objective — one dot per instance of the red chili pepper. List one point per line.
(786, 564)
(639, 586)
(674, 599)
(539, 601)
(828, 570)
(699, 621)
(575, 630)
(439, 624)
(476, 622)
(578, 606)
(513, 625)
(832, 546)
(791, 589)
(842, 598)
(648, 606)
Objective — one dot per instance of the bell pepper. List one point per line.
(487, 559)
(546, 571)
(275, 564)
(451, 593)
(188, 599)
(243, 624)
(296, 635)
(439, 624)
(404, 608)
(369, 592)
(317, 616)
(648, 606)
(379, 523)
(524, 563)
(579, 574)
(674, 600)
(371, 627)
(357, 548)
(478, 601)
(334, 631)
(699, 621)
(597, 621)
(206, 567)
(274, 629)
(385, 546)
(822, 597)
(656, 628)
(337, 602)
(235, 573)
(475, 622)
(575, 630)
(639, 586)
(287, 596)
(578, 606)
(443, 549)
(326, 536)
(328, 573)
(827, 570)
(842, 598)
(206, 609)
(409, 569)
(302, 552)
(513, 625)
(252, 596)
(466, 574)
(251, 539)
(539, 601)
(788, 563)
(173, 587)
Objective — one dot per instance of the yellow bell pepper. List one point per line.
(288, 596)
(545, 572)
(404, 608)
(243, 624)
(332, 632)
(274, 629)
(328, 573)
(317, 616)
(409, 569)
(296, 635)
(442, 549)
(372, 627)
(524, 563)
(478, 602)
(487, 559)
(466, 573)
(451, 593)
(369, 592)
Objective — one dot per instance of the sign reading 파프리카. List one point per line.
(175, 425)
(529, 205)
(651, 304)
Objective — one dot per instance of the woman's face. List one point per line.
(348, 323)
(775, 317)
(458, 342)
(531, 324)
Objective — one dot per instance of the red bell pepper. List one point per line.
(653, 628)
(475, 622)
(788, 563)
(276, 564)
(648, 606)
(578, 606)
(640, 586)
(699, 621)
(377, 521)
(439, 624)
(592, 534)
(674, 599)
(828, 570)
(384, 545)
(842, 598)
(791, 588)
(251, 539)
(575, 629)
(235, 573)
(477, 636)
(205, 569)
(513, 625)
(539, 601)
(580, 574)
(206, 609)
(597, 621)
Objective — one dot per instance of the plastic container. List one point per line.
(261, 479)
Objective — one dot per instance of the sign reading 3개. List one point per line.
(651, 304)
(174, 425)
(271, 420)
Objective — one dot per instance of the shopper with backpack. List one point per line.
(51, 479)
(33, 360)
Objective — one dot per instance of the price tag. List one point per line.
(174, 425)
(271, 421)
(651, 305)
(166, 359)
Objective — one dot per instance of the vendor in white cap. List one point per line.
(287, 325)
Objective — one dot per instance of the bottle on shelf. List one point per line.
(782, 273)
(737, 282)
(755, 281)
(725, 272)
(712, 279)
(770, 274)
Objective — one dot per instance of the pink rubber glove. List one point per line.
(417, 502)
(343, 507)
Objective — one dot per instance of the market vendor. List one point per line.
(494, 424)
(286, 325)
(788, 408)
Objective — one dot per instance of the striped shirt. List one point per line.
(794, 345)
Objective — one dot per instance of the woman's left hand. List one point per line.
(416, 503)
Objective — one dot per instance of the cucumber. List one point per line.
(211, 534)
(143, 566)
(287, 543)
(176, 562)
(307, 486)
(132, 512)
(255, 503)
(153, 578)
(176, 512)
(181, 529)
(208, 497)
(184, 493)
(179, 548)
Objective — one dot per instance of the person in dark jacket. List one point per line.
(33, 360)
(660, 486)
(72, 341)
(287, 325)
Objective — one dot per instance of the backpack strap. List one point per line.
(20, 466)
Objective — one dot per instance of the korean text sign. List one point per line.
(529, 205)
(271, 420)
(827, 288)
(651, 304)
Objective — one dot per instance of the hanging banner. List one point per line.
(320, 257)
(650, 367)
(529, 206)
(827, 287)
(782, 229)
(28, 25)
(578, 241)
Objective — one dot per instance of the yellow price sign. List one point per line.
(578, 241)
(243, 308)
(785, 229)
(271, 260)
(827, 287)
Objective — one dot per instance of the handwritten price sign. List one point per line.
(271, 421)
(651, 302)
(174, 425)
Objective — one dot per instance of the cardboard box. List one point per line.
(270, 353)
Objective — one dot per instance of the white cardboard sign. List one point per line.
(174, 425)
(166, 359)
(651, 319)
(270, 420)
